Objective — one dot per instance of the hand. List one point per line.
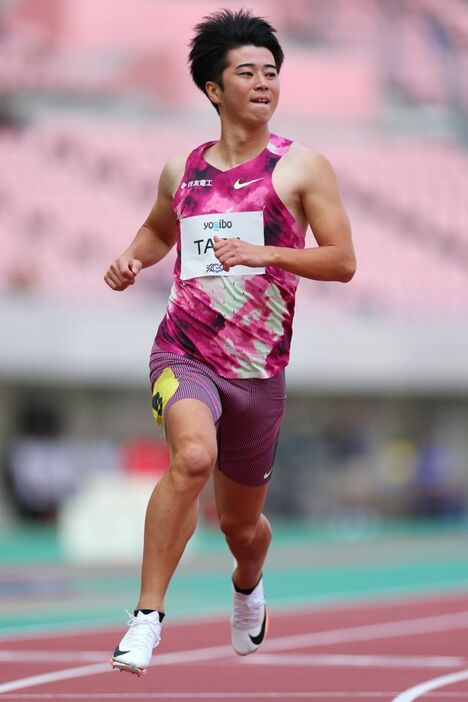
(234, 252)
(123, 272)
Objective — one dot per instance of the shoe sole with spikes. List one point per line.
(127, 668)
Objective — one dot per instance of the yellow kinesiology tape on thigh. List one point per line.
(164, 388)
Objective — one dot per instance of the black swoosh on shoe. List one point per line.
(118, 652)
(257, 640)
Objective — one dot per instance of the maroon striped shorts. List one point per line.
(247, 412)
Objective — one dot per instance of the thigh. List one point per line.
(185, 401)
(248, 430)
(175, 378)
(191, 432)
(237, 504)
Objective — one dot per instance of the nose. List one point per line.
(261, 83)
(261, 79)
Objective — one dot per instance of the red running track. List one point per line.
(392, 650)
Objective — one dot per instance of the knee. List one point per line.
(193, 463)
(238, 533)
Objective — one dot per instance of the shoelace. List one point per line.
(140, 632)
(248, 613)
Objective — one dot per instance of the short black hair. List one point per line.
(222, 31)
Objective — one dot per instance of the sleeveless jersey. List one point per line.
(238, 324)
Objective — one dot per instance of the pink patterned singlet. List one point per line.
(238, 323)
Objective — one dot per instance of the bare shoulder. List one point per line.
(172, 172)
(176, 164)
(309, 163)
(307, 181)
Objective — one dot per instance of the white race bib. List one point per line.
(197, 241)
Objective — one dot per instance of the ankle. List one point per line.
(161, 615)
(245, 583)
(147, 605)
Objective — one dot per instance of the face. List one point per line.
(251, 85)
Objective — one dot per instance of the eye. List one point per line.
(270, 75)
(246, 73)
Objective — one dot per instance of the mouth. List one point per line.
(260, 101)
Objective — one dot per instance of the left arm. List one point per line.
(333, 258)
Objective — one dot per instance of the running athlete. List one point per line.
(237, 209)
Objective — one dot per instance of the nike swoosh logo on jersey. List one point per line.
(238, 185)
(118, 652)
(257, 640)
(267, 475)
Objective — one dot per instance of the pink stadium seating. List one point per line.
(74, 193)
(343, 86)
(143, 49)
(109, 25)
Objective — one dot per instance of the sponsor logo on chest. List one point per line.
(204, 183)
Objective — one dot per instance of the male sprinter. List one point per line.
(238, 209)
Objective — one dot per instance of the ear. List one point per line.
(213, 90)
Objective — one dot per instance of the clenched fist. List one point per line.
(123, 272)
(234, 252)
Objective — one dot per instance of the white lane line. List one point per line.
(222, 695)
(360, 661)
(407, 627)
(383, 630)
(204, 696)
(423, 688)
(282, 659)
(200, 654)
(25, 656)
(57, 675)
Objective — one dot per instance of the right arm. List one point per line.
(156, 236)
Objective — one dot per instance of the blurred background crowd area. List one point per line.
(94, 97)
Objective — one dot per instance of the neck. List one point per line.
(238, 145)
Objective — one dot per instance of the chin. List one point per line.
(259, 119)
